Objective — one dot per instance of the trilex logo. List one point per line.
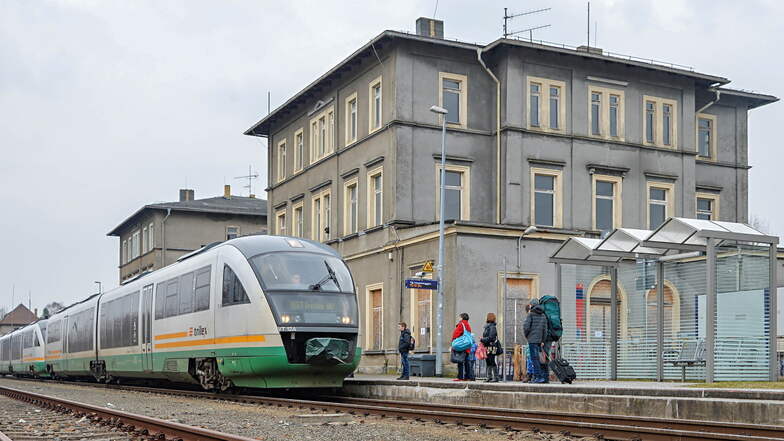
(196, 331)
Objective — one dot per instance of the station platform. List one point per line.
(632, 398)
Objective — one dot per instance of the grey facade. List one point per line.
(496, 155)
(158, 234)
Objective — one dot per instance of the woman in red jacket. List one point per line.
(462, 324)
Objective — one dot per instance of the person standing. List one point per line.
(460, 328)
(403, 347)
(535, 330)
(490, 341)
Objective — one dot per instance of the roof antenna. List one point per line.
(250, 177)
(589, 26)
(595, 33)
(508, 17)
(435, 10)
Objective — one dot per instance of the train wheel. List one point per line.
(210, 377)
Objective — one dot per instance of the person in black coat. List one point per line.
(535, 330)
(490, 341)
(403, 347)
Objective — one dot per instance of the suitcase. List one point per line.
(562, 370)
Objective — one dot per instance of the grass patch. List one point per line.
(741, 385)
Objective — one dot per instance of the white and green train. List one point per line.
(256, 311)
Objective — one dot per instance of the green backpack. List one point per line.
(552, 309)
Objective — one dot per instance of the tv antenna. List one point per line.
(508, 17)
(250, 177)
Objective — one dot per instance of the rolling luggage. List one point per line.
(562, 370)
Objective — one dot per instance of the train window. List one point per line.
(186, 293)
(293, 271)
(233, 291)
(160, 300)
(172, 298)
(202, 291)
(81, 331)
(53, 332)
(119, 322)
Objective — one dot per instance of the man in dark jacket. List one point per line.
(535, 330)
(404, 346)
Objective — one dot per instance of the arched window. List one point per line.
(671, 312)
(599, 307)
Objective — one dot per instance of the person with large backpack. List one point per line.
(552, 310)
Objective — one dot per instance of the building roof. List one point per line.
(236, 205)
(754, 99)
(262, 127)
(19, 316)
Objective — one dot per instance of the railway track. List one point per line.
(137, 426)
(606, 426)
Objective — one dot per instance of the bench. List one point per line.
(692, 353)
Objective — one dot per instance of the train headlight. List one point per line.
(285, 318)
(345, 320)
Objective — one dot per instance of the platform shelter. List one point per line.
(689, 300)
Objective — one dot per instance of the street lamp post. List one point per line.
(440, 296)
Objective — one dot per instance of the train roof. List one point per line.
(251, 246)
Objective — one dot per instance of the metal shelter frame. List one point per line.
(690, 238)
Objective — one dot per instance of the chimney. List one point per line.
(36, 312)
(252, 196)
(186, 194)
(227, 191)
(590, 49)
(430, 27)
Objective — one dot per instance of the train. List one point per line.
(260, 311)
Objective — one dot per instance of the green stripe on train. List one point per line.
(265, 367)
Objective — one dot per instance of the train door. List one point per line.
(147, 328)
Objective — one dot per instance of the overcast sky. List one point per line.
(106, 106)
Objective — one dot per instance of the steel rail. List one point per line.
(609, 426)
(129, 421)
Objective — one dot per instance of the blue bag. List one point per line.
(463, 342)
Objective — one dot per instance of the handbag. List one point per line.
(481, 352)
(542, 356)
(463, 342)
(457, 356)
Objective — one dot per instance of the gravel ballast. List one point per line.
(270, 423)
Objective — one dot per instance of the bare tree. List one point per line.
(759, 224)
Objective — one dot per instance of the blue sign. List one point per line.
(421, 284)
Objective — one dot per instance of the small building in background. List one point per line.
(158, 234)
(18, 317)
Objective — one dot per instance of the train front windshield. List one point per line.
(307, 289)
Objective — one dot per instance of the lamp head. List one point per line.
(438, 109)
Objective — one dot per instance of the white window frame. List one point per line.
(318, 223)
(124, 252)
(323, 134)
(369, 314)
(353, 182)
(298, 225)
(669, 205)
(136, 244)
(232, 226)
(604, 112)
(352, 117)
(371, 197)
(281, 213)
(151, 237)
(557, 195)
(617, 192)
(465, 192)
(714, 197)
(658, 138)
(713, 141)
(144, 239)
(462, 101)
(372, 105)
(299, 150)
(281, 160)
(544, 104)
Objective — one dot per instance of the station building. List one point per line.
(158, 234)
(573, 140)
